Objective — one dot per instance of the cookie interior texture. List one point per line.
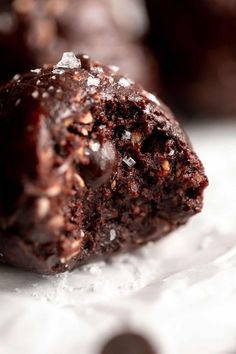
(91, 164)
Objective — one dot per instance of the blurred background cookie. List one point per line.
(195, 45)
(35, 32)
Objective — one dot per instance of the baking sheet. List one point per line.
(180, 292)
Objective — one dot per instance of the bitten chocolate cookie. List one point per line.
(35, 32)
(196, 47)
(91, 164)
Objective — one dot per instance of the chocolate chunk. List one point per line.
(34, 33)
(128, 343)
(102, 162)
(195, 45)
(91, 164)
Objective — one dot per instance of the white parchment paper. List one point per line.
(180, 292)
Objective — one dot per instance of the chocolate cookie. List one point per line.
(35, 32)
(128, 343)
(195, 44)
(91, 164)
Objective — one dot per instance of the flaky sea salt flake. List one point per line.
(129, 161)
(36, 71)
(58, 71)
(95, 146)
(98, 70)
(152, 98)
(112, 235)
(126, 135)
(92, 81)
(171, 153)
(124, 82)
(114, 68)
(68, 61)
(147, 109)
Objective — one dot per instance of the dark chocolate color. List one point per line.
(128, 343)
(36, 32)
(91, 164)
(196, 48)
